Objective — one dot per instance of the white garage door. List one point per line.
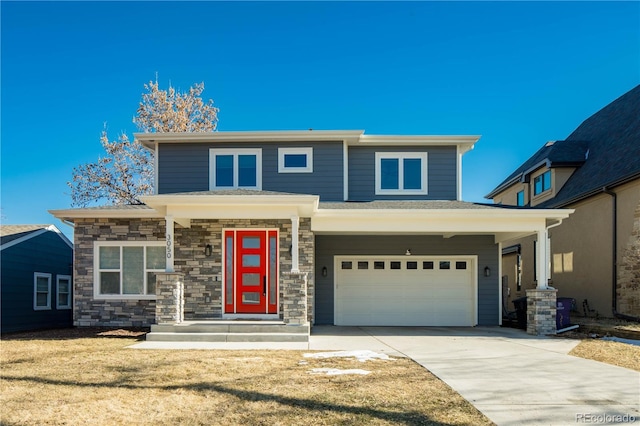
(405, 291)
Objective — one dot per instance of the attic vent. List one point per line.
(586, 155)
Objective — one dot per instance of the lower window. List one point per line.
(41, 291)
(64, 292)
(128, 270)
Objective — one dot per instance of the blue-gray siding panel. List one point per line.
(441, 173)
(46, 253)
(328, 246)
(185, 168)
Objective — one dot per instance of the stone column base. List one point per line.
(170, 297)
(541, 311)
(294, 298)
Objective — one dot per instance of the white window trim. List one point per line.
(63, 277)
(541, 176)
(213, 152)
(37, 275)
(282, 152)
(401, 156)
(96, 269)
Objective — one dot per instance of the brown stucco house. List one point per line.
(296, 228)
(595, 253)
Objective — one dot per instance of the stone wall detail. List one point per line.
(169, 298)
(541, 311)
(294, 298)
(628, 286)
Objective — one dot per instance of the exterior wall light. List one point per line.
(208, 249)
(408, 252)
(324, 271)
(487, 271)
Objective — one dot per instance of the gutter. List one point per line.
(614, 286)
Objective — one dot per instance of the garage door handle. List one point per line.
(264, 285)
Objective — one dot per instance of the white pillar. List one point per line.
(542, 255)
(295, 224)
(170, 245)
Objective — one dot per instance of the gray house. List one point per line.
(35, 277)
(301, 228)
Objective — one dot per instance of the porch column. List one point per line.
(295, 225)
(169, 298)
(542, 254)
(170, 225)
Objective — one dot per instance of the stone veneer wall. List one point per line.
(202, 275)
(541, 311)
(90, 312)
(628, 288)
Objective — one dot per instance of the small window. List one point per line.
(235, 168)
(412, 265)
(461, 265)
(427, 265)
(41, 291)
(347, 265)
(363, 265)
(445, 265)
(401, 173)
(295, 160)
(520, 200)
(378, 265)
(542, 183)
(396, 265)
(64, 292)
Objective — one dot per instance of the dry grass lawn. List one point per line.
(615, 353)
(99, 381)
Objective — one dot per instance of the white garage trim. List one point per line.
(410, 305)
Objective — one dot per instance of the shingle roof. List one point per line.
(405, 205)
(606, 147)
(12, 232)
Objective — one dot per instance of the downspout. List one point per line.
(614, 286)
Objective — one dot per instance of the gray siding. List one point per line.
(45, 253)
(328, 246)
(441, 173)
(185, 168)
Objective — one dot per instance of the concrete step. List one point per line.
(158, 336)
(230, 327)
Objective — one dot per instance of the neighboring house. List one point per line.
(309, 227)
(595, 254)
(36, 264)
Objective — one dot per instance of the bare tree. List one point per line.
(126, 171)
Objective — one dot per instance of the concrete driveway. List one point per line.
(511, 377)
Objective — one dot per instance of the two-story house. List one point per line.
(303, 227)
(596, 252)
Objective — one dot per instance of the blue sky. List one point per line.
(517, 73)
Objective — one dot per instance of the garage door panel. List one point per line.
(414, 294)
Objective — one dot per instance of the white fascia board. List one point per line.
(70, 214)
(238, 211)
(432, 221)
(150, 139)
(464, 143)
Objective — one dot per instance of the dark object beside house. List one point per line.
(36, 278)
(521, 311)
(563, 310)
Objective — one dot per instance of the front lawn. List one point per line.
(73, 379)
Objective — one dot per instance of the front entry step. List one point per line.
(229, 331)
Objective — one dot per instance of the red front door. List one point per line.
(251, 264)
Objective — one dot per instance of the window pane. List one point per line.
(132, 270)
(63, 299)
(461, 265)
(109, 257)
(412, 173)
(412, 265)
(250, 242)
(156, 257)
(41, 299)
(42, 284)
(363, 265)
(427, 265)
(63, 286)
(546, 180)
(247, 170)
(378, 265)
(389, 169)
(251, 298)
(151, 283)
(395, 265)
(224, 170)
(251, 260)
(251, 279)
(273, 269)
(109, 282)
(445, 265)
(347, 265)
(521, 198)
(295, 160)
(228, 271)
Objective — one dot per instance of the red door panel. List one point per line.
(251, 272)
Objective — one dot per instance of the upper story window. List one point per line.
(520, 198)
(295, 160)
(127, 270)
(235, 168)
(401, 173)
(542, 183)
